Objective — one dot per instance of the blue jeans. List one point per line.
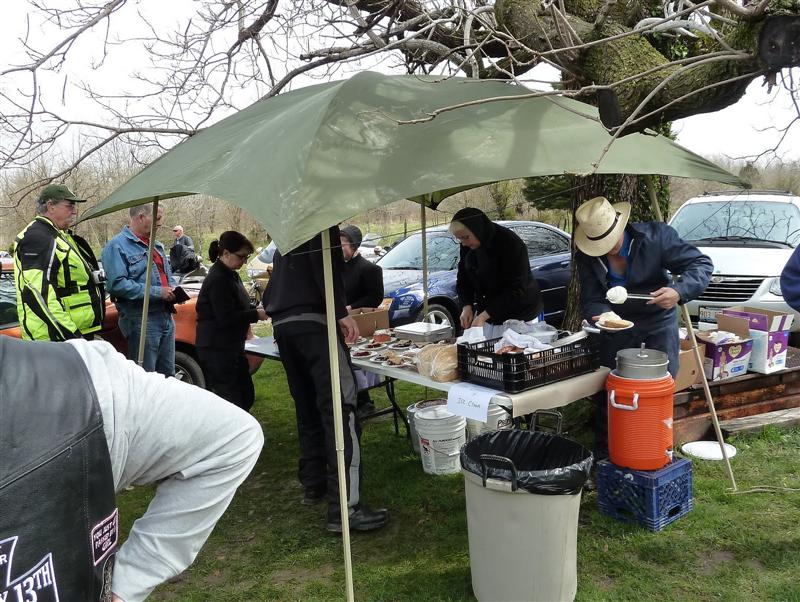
(159, 344)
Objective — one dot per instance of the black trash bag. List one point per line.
(534, 461)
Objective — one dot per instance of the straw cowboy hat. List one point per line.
(600, 225)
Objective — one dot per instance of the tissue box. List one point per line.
(725, 360)
(770, 333)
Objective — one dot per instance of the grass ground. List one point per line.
(269, 547)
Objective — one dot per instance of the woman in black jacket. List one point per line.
(494, 280)
(224, 315)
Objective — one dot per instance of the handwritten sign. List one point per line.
(470, 401)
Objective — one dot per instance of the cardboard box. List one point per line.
(689, 371)
(726, 360)
(370, 320)
(770, 333)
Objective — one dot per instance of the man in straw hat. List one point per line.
(643, 258)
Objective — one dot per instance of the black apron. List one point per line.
(58, 517)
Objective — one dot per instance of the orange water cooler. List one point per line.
(640, 393)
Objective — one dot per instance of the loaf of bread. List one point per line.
(438, 362)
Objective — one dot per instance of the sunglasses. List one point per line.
(243, 257)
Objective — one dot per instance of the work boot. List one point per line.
(362, 518)
(312, 497)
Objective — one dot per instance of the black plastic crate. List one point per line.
(515, 372)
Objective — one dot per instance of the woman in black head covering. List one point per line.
(494, 274)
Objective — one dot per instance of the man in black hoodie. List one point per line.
(295, 300)
(363, 287)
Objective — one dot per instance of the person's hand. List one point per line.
(167, 294)
(262, 315)
(480, 319)
(116, 598)
(466, 316)
(666, 297)
(349, 329)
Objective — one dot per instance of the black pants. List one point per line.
(303, 347)
(228, 375)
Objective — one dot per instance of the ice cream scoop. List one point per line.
(619, 294)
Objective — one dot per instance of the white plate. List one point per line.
(707, 450)
(404, 346)
(377, 359)
(607, 329)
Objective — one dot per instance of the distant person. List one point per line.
(363, 287)
(790, 281)
(182, 256)
(58, 281)
(81, 423)
(494, 281)
(124, 259)
(295, 300)
(224, 315)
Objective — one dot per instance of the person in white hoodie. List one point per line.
(193, 445)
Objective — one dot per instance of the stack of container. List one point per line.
(641, 481)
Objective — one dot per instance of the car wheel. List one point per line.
(438, 314)
(188, 370)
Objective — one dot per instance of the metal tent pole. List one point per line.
(423, 206)
(333, 353)
(147, 282)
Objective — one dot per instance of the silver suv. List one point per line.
(749, 235)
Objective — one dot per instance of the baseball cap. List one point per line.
(57, 192)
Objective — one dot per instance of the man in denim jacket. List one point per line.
(124, 259)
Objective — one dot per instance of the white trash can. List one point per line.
(522, 515)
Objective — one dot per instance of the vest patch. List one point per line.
(105, 535)
(37, 584)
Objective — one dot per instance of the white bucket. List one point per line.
(497, 419)
(441, 435)
(413, 409)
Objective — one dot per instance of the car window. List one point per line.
(763, 220)
(8, 301)
(541, 241)
(370, 239)
(442, 253)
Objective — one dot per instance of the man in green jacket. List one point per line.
(59, 286)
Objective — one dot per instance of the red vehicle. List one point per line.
(187, 367)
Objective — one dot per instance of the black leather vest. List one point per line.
(58, 517)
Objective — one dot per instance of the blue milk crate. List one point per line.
(652, 498)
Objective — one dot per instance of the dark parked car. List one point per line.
(548, 250)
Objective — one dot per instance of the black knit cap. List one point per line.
(353, 234)
(477, 222)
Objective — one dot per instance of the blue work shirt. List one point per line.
(655, 253)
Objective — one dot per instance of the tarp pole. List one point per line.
(147, 281)
(333, 353)
(651, 191)
(424, 262)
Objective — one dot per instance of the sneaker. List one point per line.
(312, 497)
(362, 518)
